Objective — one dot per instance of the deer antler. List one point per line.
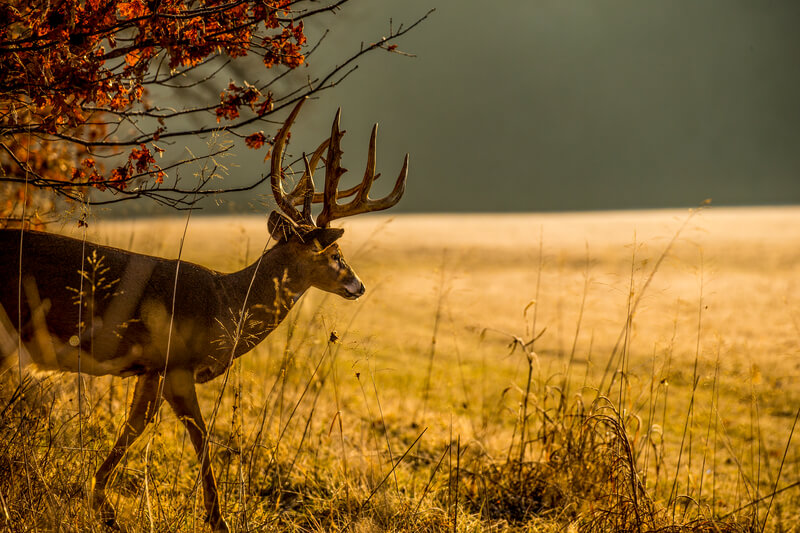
(361, 203)
(304, 192)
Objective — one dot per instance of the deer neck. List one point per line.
(267, 289)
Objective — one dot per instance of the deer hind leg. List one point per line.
(179, 391)
(144, 406)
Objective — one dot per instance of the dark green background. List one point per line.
(531, 105)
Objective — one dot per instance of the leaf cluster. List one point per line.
(94, 93)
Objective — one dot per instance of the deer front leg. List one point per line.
(143, 408)
(179, 391)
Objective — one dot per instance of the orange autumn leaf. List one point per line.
(255, 140)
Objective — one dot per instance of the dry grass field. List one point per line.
(620, 371)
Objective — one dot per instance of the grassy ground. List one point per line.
(660, 392)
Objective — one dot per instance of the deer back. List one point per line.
(113, 304)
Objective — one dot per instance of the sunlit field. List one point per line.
(619, 371)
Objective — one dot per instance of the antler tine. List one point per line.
(308, 196)
(369, 173)
(297, 195)
(399, 189)
(361, 203)
(333, 172)
(276, 167)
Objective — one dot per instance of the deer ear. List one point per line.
(281, 227)
(323, 237)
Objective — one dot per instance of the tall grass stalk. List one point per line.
(665, 381)
(656, 266)
(447, 450)
(780, 471)
(436, 319)
(672, 500)
(337, 419)
(384, 427)
(385, 478)
(565, 386)
(530, 354)
(372, 432)
(623, 367)
(458, 484)
(296, 405)
(695, 380)
(712, 417)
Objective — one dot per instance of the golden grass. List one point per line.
(429, 352)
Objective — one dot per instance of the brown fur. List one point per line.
(120, 325)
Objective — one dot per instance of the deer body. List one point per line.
(126, 320)
(106, 311)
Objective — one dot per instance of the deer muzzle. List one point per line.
(356, 290)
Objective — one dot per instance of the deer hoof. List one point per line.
(219, 525)
(113, 525)
(107, 514)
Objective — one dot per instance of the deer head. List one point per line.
(314, 241)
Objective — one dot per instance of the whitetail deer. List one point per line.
(173, 325)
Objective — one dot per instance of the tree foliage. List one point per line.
(77, 79)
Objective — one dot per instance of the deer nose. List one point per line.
(361, 290)
(354, 290)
